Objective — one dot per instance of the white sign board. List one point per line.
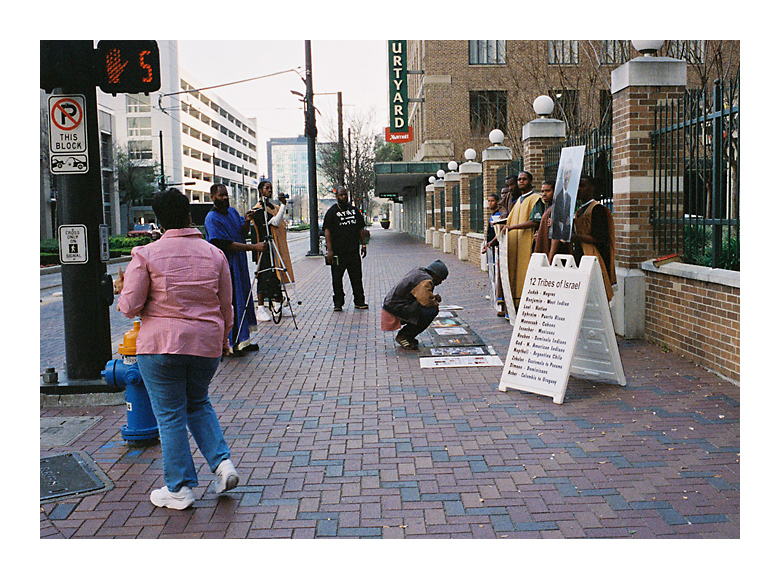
(68, 151)
(503, 270)
(73, 243)
(563, 327)
(459, 361)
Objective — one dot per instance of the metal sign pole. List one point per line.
(85, 302)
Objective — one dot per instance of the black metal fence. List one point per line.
(695, 209)
(476, 206)
(510, 169)
(456, 206)
(597, 162)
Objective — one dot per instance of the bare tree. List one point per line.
(360, 144)
(581, 85)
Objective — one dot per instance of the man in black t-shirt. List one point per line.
(345, 238)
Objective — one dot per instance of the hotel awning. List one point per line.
(393, 178)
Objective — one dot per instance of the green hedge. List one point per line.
(118, 246)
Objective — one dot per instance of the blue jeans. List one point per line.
(178, 387)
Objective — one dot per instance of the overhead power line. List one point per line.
(295, 70)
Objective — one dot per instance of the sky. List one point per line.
(356, 68)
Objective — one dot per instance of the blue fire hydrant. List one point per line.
(141, 424)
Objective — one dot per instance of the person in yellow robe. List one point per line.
(594, 233)
(271, 223)
(521, 225)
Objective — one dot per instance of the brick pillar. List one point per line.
(438, 187)
(429, 214)
(465, 206)
(450, 179)
(539, 135)
(637, 87)
(493, 159)
(468, 171)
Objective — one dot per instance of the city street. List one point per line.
(52, 348)
(338, 433)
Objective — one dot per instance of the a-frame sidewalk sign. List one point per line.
(563, 327)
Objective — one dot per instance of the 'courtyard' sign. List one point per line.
(399, 130)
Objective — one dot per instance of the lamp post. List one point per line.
(311, 136)
(341, 141)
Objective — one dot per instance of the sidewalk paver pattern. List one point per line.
(336, 432)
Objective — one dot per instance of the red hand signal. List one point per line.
(114, 66)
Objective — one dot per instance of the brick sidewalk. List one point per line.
(337, 433)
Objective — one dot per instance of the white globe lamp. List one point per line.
(543, 106)
(496, 136)
(648, 47)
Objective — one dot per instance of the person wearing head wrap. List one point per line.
(413, 302)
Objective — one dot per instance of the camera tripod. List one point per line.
(276, 265)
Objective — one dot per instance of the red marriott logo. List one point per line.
(398, 137)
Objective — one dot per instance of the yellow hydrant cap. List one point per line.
(127, 347)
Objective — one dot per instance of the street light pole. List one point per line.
(311, 135)
(341, 141)
(162, 164)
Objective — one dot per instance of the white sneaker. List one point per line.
(278, 306)
(179, 500)
(227, 477)
(263, 315)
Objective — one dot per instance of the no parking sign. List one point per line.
(68, 151)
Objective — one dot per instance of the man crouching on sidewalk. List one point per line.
(413, 302)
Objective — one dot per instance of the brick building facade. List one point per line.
(460, 90)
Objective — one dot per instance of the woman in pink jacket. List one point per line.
(180, 287)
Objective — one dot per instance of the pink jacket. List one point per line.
(180, 287)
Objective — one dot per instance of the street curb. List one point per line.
(58, 268)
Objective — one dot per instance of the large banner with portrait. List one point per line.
(566, 184)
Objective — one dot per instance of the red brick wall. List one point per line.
(696, 319)
(475, 248)
(533, 158)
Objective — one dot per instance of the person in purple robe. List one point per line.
(227, 230)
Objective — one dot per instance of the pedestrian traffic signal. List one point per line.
(128, 66)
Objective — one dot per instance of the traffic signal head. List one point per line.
(128, 66)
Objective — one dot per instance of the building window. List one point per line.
(106, 152)
(139, 126)
(487, 110)
(105, 122)
(567, 107)
(563, 52)
(487, 51)
(615, 51)
(139, 149)
(138, 103)
(691, 51)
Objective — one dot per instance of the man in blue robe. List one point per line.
(226, 229)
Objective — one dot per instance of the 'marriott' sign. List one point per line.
(399, 102)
